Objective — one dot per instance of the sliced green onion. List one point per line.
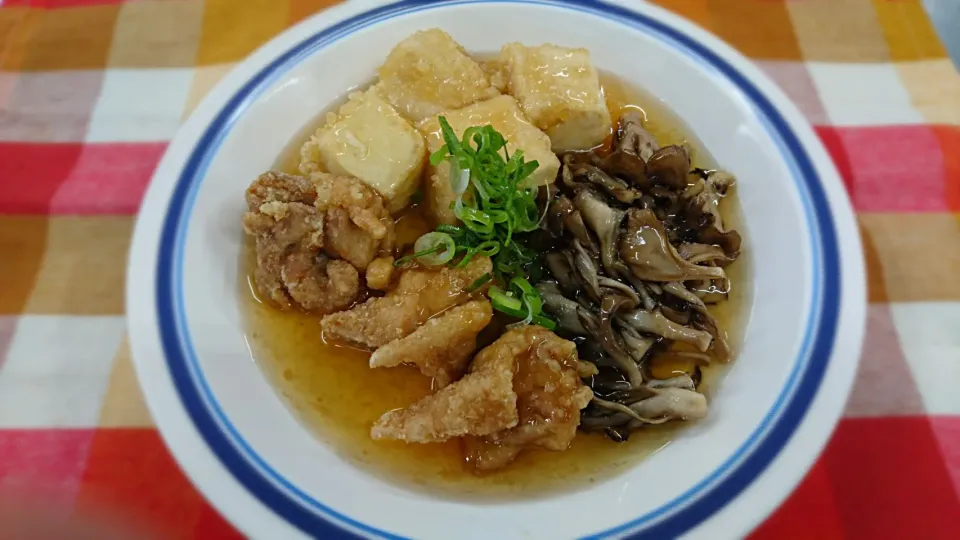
(404, 260)
(467, 257)
(498, 216)
(495, 205)
(437, 157)
(519, 313)
(479, 282)
(435, 248)
(459, 178)
(449, 136)
(529, 295)
(489, 248)
(449, 229)
(503, 301)
(475, 220)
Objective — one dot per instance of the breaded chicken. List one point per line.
(278, 187)
(420, 294)
(289, 233)
(304, 227)
(319, 283)
(480, 403)
(349, 241)
(379, 273)
(441, 348)
(526, 382)
(550, 395)
(358, 225)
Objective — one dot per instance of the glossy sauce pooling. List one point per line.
(335, 393)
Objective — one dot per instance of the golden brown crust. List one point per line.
(480, 403)
(359, 225)
(303, 227)
(550, 395)
(441, 348)
(379, 273)
(347, 240)
(320, 285)
(420, 294)
(522, 391)
(275, 186)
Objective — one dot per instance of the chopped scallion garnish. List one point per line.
(495, 202)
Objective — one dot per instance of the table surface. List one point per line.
(91, 91)
(945, 15)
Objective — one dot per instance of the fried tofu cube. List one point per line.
(428, 73)
(369, 140)
(559, 90)
(504, 114)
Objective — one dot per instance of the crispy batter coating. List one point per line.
(550, 395)
(420, 294)
(303, 227)
(347, 240)
(359, 225)
(319, 283)
(289, 239)
(274, 186)
(441, 348)
(379, 273)
(480, 403)
(522, 391)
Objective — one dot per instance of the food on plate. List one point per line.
(292, 266)
(522, 391)
(506, 229)
(550, 393)
(420, 294)
(504, 115)
(429, 73)
(559, 91)
(369, 140)
(442, 346)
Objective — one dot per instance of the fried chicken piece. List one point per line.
(319, 283)
(481, 403)
(277, 187)
(522, 391)
(354, 209)
(379, 273)
(290, 226)
(441, 348)
(420, 294)
(303, 226)
(550, 395)
(348, 240)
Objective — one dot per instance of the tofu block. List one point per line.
(504, 114)
(369, 140)
(497, 71)
(428, 73)
(559, 90)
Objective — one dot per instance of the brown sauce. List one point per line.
(336, 395)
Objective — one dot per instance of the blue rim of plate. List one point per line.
(671, 519)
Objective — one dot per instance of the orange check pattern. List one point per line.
(91, 91)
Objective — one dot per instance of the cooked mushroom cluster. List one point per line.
(636, 254)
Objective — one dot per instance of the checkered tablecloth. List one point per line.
(91, 91)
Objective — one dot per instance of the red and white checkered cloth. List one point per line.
(92, 90)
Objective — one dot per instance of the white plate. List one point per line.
(270, 477)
